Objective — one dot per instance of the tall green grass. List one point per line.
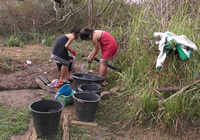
(137, 56)
(145, 105)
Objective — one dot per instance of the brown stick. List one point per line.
(175, 88)
(33, 135)
(65, 127)
(180, 91)
(84, 123)
(106, 113)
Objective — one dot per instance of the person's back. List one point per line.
(108, 47)
(60, 52)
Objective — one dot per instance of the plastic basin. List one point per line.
(93, 87)
(81, 78)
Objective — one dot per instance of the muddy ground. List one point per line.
(23, 83)
(19, 89)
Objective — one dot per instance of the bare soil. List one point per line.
(19, 89)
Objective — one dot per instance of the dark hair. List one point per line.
(85, 33)
(76, 30)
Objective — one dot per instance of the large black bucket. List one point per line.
(93, 87)
(81, 78)
(85, 104)
(46, 117)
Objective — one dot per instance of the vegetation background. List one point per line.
(132, 24)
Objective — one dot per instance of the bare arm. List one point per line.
(71, 38)
(94, 51)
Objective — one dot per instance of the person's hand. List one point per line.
(73, 52)
(89, 55)
(90, 59)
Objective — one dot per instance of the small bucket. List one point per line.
(93, 87)
(66, 100)
(85, 104)
(81, 78)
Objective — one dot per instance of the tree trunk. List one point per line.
(90, 13)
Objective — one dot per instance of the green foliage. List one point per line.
(4, 64)
(133, 26)
(149, 103)
(184, 107)
(49, 41)
(75, 1)
(5, 67)
(137, 56)
(141, 76)
(26, 36)
(13, 121)
(79, 132)
(15, 42)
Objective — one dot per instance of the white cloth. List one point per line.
(162, 38)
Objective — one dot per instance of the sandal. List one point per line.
(66, 82)
(103, 84)
(70, 79)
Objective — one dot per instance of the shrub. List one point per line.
(15, 42)
(49, 41)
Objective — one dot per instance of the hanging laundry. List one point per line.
(169, 41)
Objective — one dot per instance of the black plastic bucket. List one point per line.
(46, 117)
(93, 87)
(85, 104)
(81, 78)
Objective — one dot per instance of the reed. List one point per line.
(145, 105)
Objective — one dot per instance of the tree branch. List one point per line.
(104, 9)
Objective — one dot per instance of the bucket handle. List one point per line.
(54, 110)
(80, 101)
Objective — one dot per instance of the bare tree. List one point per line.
(65, 10)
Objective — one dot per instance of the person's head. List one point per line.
(76, 31)
(86, 34)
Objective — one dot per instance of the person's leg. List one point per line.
(67, 75)
(103, 69)
(64, 72)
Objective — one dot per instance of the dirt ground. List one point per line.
(22, 90)
(19, 89)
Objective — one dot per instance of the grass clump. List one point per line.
(5, 64)
(15, 42)
(79, 132)
(144, 105)
(49, 41)
(13, 121)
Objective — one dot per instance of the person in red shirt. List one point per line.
(108, 47)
